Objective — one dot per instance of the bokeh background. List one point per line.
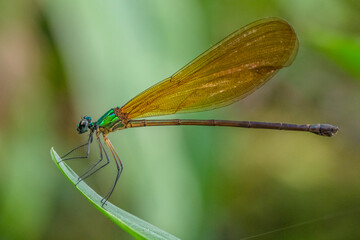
(61, 59)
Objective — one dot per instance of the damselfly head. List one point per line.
(84, 125)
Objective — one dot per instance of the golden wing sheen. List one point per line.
(225, 73)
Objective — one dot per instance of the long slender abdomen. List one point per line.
(319, 129)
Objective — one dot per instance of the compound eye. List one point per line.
(83, 126)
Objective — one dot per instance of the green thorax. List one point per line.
(108, 120)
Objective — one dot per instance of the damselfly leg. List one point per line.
(95, 167)
(63, 158)
(119, 167)
(92, 170)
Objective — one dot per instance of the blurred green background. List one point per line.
(60, 60)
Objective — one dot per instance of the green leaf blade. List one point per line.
(135, 226)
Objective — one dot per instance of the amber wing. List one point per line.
(225, 73)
